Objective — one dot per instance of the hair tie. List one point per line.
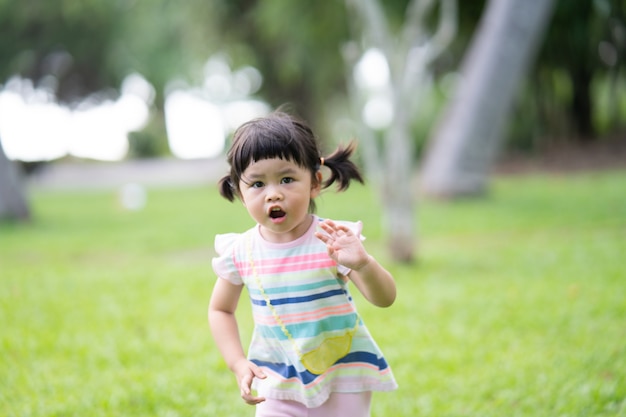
(321, 161)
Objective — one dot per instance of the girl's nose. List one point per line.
(273, 194)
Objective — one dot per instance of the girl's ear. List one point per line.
(316, 186)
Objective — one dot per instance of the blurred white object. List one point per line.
(198, 119)
(195, 128)
(35, 127)
(133, 196)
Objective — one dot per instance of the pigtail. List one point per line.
(226, 188)
(342, 169)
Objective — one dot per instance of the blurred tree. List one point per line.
(13, 204)
(573, 93)
(165, 40)
(82, 47)
(151, 141)
(409, 57)
(471, 131)
(60, 43)
(296, 46)
(79, 48)
(76, 49)
(571, 49)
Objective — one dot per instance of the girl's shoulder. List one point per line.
(227, 242)
(230, 249)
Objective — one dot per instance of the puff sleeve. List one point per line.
(224, 264)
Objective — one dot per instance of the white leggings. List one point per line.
(337, 405)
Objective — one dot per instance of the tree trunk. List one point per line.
(399, 201)
(408, 57)
(13, 205)
(581, 103)
(462, 150)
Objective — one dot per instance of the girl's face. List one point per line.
(276, 192)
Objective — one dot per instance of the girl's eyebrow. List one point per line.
(286, 171)
(281, 172)
(254, 176)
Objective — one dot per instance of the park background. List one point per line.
(510, 292)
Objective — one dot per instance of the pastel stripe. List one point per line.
(308, 331)
(307, 315)
(286, 265)
(302, 299)
(296, 288)
(294, 259)
(288, 372)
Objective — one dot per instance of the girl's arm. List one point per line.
(225, 331)
(375, 282)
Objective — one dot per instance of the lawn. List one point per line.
(517, 305)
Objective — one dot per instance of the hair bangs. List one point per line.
(268, 144)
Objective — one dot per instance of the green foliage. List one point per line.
(571, 57)
(297, 47)
(100, 42)
(151, 141)
(609, 114)
(91, 45)
(164, 40)
(36, 34)
(515, 309)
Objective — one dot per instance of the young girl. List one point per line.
(310, 354)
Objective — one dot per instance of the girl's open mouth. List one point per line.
(277, 214)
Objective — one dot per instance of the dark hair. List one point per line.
(280, 135)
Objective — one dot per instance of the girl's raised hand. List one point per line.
(344, 247)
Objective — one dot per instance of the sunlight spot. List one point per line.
(378, 112)
(198, 119)
(372, 71)
(33, 131)
(34, 127)
(194, 126)
(372, 76)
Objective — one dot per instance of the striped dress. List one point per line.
(303, 284)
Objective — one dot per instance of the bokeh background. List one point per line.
(492, 135)
(158, 78)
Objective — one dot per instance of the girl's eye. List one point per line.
(287, 180)
(257, 184)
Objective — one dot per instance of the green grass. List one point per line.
(517, 306)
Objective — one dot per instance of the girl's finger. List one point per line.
(245, 384)
(324, 238)
(258, 372)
